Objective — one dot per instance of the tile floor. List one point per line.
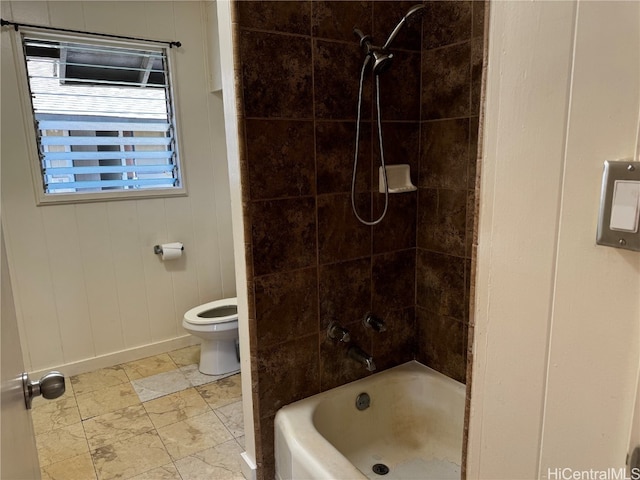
(153, 419)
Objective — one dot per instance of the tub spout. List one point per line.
(362, 357)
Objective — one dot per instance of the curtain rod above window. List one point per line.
(16, 26)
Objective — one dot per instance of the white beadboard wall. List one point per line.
(556, 351)
(87, 284)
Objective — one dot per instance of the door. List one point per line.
(19, 458)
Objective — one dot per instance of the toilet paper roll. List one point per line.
(171, 251)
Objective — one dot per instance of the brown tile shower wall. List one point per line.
(452, 49)
(298, 66)
(309, 260)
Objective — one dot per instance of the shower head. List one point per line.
(381, 62)
(413, 15)
(381, 58)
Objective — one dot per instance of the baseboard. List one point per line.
(248, 466)
(122, 356)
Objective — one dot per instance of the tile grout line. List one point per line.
(93, 463)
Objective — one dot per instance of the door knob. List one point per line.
(50, 386)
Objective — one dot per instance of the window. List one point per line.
(103, 118)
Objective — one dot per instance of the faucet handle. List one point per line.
(375, 323)
(337, 332)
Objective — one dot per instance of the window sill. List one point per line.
(71, 198)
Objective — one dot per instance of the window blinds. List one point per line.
(103, 116)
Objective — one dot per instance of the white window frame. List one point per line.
(30, 124)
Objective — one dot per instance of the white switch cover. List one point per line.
(625, 208)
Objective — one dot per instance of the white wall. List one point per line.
(229, 86)
(86, 281)
(557, 332)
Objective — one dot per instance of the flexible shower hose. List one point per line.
(355, 161)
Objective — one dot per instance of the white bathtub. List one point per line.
(413, 426)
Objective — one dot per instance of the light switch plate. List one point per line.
(624, 171)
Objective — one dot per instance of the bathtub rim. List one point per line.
(314, 460)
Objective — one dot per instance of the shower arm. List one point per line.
(363, 38)
(365, 42)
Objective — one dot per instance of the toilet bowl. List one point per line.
(216, 323)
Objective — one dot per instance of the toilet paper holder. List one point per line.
(157, 249)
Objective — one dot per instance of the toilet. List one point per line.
(216, 323)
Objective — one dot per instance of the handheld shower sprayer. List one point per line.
(381, 61)
(414, 14)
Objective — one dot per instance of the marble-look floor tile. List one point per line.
(159, 385)
(52, 414)
(99, 379)
(75, 468)
(176, 407)
(166, 472)
(232, 418)
(193, 435)
(186, 356)
(221, 462)
(197, 378)
(116, 426)
(102, 430)
(130, 457)
(106, 400)
(222, 392)
(61, 444)
(149, 366)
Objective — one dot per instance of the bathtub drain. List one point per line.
(363, 401)
(380, 469)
